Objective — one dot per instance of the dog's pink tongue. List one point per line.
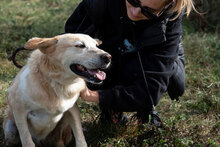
(99, 74)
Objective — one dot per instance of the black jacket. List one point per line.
(156, 41)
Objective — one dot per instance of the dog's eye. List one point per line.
(80, 45)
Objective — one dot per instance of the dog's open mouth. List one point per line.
(91, 75)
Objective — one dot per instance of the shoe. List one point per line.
(151, 117)
(112, 117)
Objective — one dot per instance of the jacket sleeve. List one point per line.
(125, 99)
(158, 61)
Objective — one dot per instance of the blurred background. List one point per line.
(194, 121)
(209, 20)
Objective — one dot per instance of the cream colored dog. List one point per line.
(42, 97)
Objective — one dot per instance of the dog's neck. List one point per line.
(53, 76)
(49, 70)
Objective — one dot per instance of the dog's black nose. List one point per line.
(106, 58)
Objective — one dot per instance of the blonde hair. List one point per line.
(181, 5)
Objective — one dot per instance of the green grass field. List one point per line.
(193, 121)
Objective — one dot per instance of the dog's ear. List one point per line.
(98, 41)
(40, 43)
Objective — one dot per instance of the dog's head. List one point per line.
(77, 54)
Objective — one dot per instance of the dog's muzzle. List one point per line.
(95, 75)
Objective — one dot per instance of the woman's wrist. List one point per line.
(94, 96)
(89, 95)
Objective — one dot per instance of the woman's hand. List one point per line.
(89, 95)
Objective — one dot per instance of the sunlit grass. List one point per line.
(194, 121)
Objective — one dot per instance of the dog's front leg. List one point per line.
(77, 126)
(20, 116)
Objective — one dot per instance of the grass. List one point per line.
(193, 121)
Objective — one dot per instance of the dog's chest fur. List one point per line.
(45, 109)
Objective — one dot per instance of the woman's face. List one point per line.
(134, 13)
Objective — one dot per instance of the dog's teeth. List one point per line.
(80, 67)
